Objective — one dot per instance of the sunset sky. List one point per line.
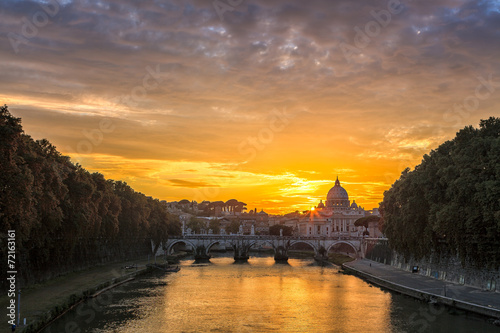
(262, 101)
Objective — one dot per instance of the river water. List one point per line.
(259, 296)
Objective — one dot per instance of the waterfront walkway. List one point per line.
(424, 287)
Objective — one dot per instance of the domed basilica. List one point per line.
(335, 217)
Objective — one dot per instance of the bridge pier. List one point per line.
(241, 245)
(200, 253)
(241, 249)
(241, 257)
(280, 254)
(322, 254)
(321, 258)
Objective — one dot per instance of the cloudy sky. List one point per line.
(262, 101)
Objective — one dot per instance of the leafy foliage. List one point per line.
(275, 230)
(64, 216)
(196, 224)
(364, 221)
(214, 224)
(451, 201)
(233, 227)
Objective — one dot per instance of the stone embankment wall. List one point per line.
(81, 259)
(44, 319)
(443, 267)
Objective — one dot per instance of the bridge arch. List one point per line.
(311, 244)
(356, 252)
(207, 251)
(169, 247)
(260, 242)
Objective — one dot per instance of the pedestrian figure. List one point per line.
(370, 264)
(13, 327)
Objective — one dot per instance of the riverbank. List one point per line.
(462, 297)
(43, 302)
(339, 259)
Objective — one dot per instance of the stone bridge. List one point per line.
(241, 245)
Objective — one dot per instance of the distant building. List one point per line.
(334, 217)
(247, 221)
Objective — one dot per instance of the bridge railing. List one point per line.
(267, 237)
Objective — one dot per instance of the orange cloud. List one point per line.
(191, 101)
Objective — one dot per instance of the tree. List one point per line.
(364, 221)
(240, 207)
(230, 205)
(214, 224)
(234, 227)
(450, 202)
(196, 224)
(65, 217)
(215, 207)
(16, 179)
(275, 230)
(158, 230)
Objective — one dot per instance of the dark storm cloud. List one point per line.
(260, 56)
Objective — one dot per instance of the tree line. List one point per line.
(450, 203)
(64, 216)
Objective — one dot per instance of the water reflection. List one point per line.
(297, 297)
(261, 296)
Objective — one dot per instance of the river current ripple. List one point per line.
(259, 296)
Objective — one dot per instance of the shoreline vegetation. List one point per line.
(449, 204)
(66, 218)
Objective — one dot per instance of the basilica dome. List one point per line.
(337, 192)
(337, 197)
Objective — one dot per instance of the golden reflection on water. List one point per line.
(262, 296)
